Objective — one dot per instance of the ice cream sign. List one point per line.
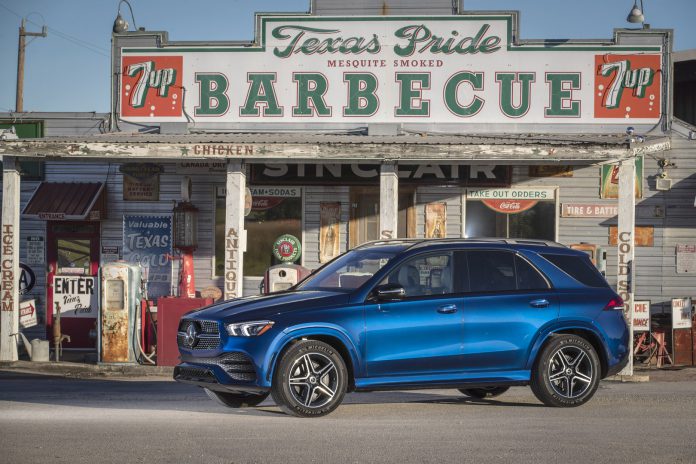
(455, 69)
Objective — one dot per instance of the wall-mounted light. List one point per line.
(120, 24)
(637, 15)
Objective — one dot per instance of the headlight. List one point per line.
(249, 329)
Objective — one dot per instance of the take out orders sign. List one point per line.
(454, 69)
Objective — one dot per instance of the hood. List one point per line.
(262, 306)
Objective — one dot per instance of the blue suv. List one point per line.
(478, 315)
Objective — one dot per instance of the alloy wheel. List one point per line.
(313, 380)
(570, 372)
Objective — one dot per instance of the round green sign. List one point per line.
(287, 248)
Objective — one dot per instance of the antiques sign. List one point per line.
(440, 69)
(362, 174)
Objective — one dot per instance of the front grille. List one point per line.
(208, 334)
(237, 365)
(195, 374)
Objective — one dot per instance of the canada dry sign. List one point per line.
(434, 69)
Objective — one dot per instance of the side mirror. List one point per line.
(389, 292)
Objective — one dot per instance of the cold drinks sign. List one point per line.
(456, 69)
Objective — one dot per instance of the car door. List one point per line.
(421, 334)
(508, 302)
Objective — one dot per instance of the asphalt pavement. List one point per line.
(54, 419)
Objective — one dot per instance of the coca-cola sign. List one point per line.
(510, 206)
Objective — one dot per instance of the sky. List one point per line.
(69, 69)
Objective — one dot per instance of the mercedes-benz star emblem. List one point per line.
(191, 335)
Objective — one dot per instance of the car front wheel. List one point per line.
(310, 379)
(236, 400)
(567, 373)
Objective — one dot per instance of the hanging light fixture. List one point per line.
(120, 24)
(636, 14)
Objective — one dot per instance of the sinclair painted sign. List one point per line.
(454, 69)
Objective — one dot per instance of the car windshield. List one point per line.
(349, 271)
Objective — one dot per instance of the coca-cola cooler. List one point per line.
(169, 313)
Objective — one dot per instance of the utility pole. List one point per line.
(23, 34)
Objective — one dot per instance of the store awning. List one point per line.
(68, 201)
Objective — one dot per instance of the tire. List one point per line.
(236, 400)
(566, 373)
(310, 379)
(485, 392)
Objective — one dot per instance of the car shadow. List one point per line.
(164, 394)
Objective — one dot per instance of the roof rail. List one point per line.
(423, 241)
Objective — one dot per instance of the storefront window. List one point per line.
(275, 211)
(537, 222)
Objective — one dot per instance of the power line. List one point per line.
(67, 37)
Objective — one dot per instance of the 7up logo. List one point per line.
(151, 86)
(626, 86)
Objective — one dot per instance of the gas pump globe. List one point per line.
(186, 241)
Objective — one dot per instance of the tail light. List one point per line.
(615, 304)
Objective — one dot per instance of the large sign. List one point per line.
(147, 241)
(368, 174)
(76, 296)
(454, 69)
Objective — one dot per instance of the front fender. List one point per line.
(284, 338)
(559, 326)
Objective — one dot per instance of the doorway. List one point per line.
(72, 253)
(364, 215)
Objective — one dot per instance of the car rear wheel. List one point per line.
(236, 400)
(484, 392)
(310, 379)
(567, 372)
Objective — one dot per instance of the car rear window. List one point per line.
(579, 268)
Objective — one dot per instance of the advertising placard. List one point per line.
(449, 69)
(641, 316)
(686, 259)
(681, 313)
(436, 220)
(141, 181)
(147, 241)
(330, 218)
(36, 252)
(76, 296)
(609, 181)
(27, 314)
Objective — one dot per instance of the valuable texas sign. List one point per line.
(457, 69)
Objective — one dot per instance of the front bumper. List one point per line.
(232, 372)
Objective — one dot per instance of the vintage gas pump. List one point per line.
(283, 276)
(186, 239)
(121, 293)
(597, 254)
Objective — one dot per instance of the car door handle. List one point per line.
(447, 309)
(542, 303)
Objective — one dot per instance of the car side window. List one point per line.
(528, 278)
(491, 271)
(431, 274)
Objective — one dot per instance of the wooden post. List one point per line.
(388, 201)
(9, 261)
(626, 248)
(235, 235)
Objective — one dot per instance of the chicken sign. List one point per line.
(446, 69)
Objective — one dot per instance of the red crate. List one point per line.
(169, 312)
